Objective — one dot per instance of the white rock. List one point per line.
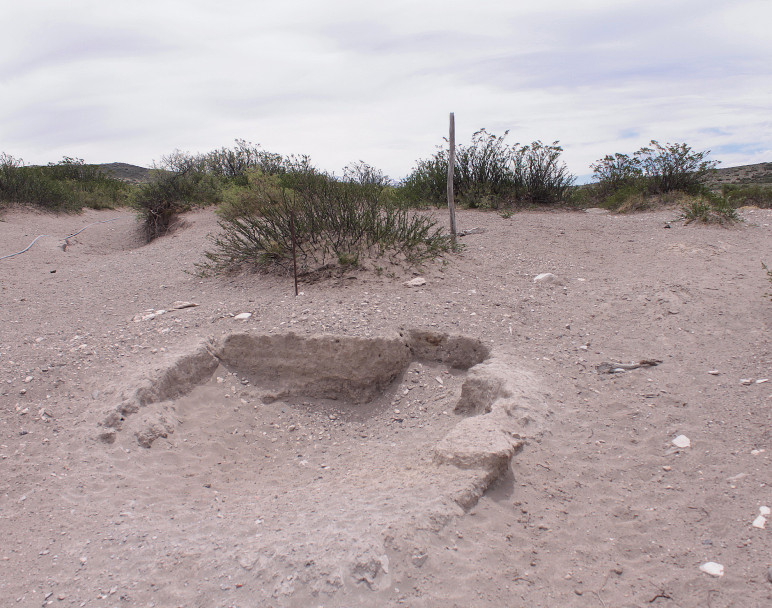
(712, 568)
(714, 372)
(765, 510)
(544, 277)
(746, 381)
(760, 522)
(682, 441)
(762, 380)
(242, 316)
(417, 282)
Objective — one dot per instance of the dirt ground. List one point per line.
(255, 501)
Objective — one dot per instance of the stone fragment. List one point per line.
(179, 305)
(416, 282)
(544, 277)
(243, 316)
(713, 569)
(682, 441)
(760, 522)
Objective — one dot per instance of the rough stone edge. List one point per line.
(178, 378)
(506, 409)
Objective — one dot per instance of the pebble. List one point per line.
(682, 441)
(713, 569)
(769, 575)
(714, 372)
(760, 522)
(746, 381)
(242, 316)
(544, 277)
(416, 282)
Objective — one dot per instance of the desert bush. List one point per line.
(68, 185)
(540, 177)
(180, 182)
(655, 169)
(748, 194)
(709, 208)
(769, 278)
(489, 173)
(335, 223)
(617, 172)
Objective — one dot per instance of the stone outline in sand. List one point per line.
(502, 404)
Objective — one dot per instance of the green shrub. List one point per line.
(709, 208)
(335, 222)
(540, 177)
(179, 183)
(748, 194)
(489, 173)
(652, 170)
(68, 185)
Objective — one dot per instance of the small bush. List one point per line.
(180, 183)
(747, 194)
(652, 170)
(489, 173)
(334, 222)
(68, 185)
(769, 278)
(708, 208)
(540, 177)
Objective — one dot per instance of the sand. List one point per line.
(289, 500)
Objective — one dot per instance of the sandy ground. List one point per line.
(250, 502)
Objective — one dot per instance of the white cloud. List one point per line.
(344, 81)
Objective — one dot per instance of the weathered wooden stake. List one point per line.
(451, 165)
(294, 256)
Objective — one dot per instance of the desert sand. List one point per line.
(127, 481)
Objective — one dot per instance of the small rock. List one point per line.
(746, 381)
(765, 510)
(243, 316)
(666, 468)
(713, 569)
(769, 575)
(179, 305)
(714, 372)
(28, 379)
(762, 380)
(682, 441)
(760, 522)
(417, 282)
(544, 277)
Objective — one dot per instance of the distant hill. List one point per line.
(760, 173)
(126, 172)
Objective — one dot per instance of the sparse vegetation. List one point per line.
(709, 208)
(739, 195)
(68, 185)
(335, 222)
(491, 174)
(769, 278)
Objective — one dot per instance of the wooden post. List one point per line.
(451, 166)
(294, 255)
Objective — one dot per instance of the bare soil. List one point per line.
(259, 500)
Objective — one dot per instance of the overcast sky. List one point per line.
(349, 80)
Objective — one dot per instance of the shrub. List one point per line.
(617, 172)
(68, 185)
(656, 169)
(180, 182)
(709, 208)
(489, 173)
(335, 222)
(748, 194)
(769, 278)
(539, 176)
(674, 167)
